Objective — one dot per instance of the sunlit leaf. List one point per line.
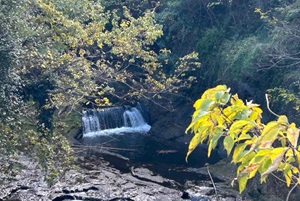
(243, 137)
(292, 134)
(236, 101)
(238, 152)
(218, 95)
(193, 144)
(206, 104)
(269, 134)
(257, 161)
(238, 125)
(288, 177)
(243, 114)
(210, 93)
(279, 153)
(228, 144)
(242, 182)
(265, 165)
(225, 98)
(252, 142)
(282, 119)
(198, 138)
(241, 126)
(214, 141)
(197, 115)
(251, 169)
(256, 114)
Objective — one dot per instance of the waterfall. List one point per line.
(115, 120)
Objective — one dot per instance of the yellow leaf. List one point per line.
(228, 144)
(257, 158)
(254, 142)
(193, 144)
(252, 169)
(288, 177)
(196, 120)
(203, 104)
(292, 134)
(210, 93)
(242, 182)
(269, 134)
(279, 153)
(295, 170)
(283, 141)
(243, 137)
(283, 120)
(241, 126)
(235, 100)
(90, 42)
(197, 139)
(238, 152)
(237, 125)
(100, 45)
(214, 141)
(230, 113)
(256, 114)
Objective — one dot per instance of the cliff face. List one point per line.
(171, 125)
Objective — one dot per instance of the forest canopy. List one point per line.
(58, 56)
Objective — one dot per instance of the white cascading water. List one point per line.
(116, 120)
(133, 118)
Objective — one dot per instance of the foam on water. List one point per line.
(117, 120)
(119, 131)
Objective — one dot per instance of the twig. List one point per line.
(269, 107)
(288, 195)
(278, 178)
(212, 181)
(75, 103)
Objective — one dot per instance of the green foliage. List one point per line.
(58, 56)
(105, 54)
(285, 99)
(239, 57)
(255, 43)
(256, 147)
(210, 41)
(21, 131)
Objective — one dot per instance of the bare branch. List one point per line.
(269, 106)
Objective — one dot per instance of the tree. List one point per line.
(256, 147)
(21, 131)
(63, 54)
(91, 55)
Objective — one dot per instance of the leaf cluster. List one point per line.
(256, 147)
(93, 54)
(57, 56)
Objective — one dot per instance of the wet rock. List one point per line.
(147, 175)
(98, 180)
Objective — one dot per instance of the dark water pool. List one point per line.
(166, 158)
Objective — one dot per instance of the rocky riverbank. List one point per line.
(107, 177)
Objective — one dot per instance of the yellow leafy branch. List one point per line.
(252, 145)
